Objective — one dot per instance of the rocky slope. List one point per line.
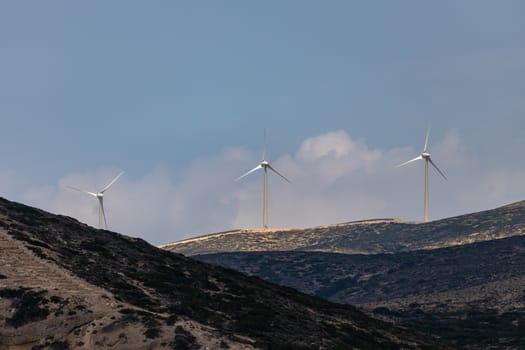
(64, 285)
(367, 237)
(473, 295)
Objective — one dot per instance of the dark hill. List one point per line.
(65, 285)
(367, 237)
(360, 279)
(472, 294)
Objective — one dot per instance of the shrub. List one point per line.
(28, 309)
(12, 293)
(184, 340)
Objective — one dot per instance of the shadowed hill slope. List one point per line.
(473, 294)
(368, 237)
(361, 279)
(66, 285)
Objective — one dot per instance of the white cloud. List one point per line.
(153, 207)
(330, 156)
(334, 179)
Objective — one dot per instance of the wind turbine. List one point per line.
(426, 157)
(265, 166)
(100, 196)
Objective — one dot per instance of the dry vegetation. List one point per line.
(367, 237)
(84, 288)
(471, 294)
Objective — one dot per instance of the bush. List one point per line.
(28, 309)
(12, 293)
(184, 340)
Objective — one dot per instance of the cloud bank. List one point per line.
(335, 178)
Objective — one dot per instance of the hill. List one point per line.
(64, 285)
(472, 295)
(366, 237)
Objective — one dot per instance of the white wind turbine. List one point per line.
(426, 156)
(100, 196)
(265, 166)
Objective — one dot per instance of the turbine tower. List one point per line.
(265, 166)
(425, 156)
(100, 196)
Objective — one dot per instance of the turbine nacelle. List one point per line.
(265, 163)
(425, 155)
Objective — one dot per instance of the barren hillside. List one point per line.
(64, 285)
(366, 237)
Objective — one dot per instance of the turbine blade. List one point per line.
(81, 190)
(435, 166)
(426, 139)
(249, 172)
(410, 161)
(264, 146)
(111, 183)
(278, 173)
(101, 200)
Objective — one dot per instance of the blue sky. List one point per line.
(177, 95)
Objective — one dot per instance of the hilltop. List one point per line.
(366, 237)
(65, 285)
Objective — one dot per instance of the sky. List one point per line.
(177, 95)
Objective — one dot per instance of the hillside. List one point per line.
(360, 279)
(366, 237)
(472, 294)
(64, 285)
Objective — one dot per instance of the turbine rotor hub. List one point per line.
(425, 155)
